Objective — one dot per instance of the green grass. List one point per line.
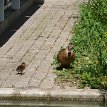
(90, 46)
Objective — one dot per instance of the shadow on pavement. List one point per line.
(4, 37)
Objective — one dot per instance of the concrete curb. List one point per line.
(37, 94)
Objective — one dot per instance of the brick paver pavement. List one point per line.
(35, 43)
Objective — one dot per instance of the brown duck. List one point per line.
(20, 68)
(66, 56)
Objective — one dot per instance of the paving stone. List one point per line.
(48, 80)
(35, 43)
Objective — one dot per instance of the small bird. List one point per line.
(20, 68)
(66, 56)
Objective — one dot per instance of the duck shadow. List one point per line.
(61, 68)
(19, 73)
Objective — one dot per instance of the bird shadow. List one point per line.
(20, 73)
(61, 68)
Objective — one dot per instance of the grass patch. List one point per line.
(90, 46)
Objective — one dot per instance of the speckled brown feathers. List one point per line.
(20, 68)
(66, 56)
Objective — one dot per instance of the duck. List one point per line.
(21, 67)
(66, 56)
